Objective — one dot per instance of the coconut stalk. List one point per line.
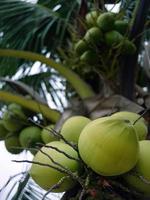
(80, 86)
(51, 114)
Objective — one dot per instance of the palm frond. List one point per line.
(35, 26)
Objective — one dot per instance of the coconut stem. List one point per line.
(146, 110)
(57, 185)
(68, 156)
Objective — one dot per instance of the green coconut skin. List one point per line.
(109, 147)
(73, 126)
(128, 47)
(106, 21)
(140, 126)
(91, 18)
(12, 144)
(89, 57)
(30, 136)
(46, 177)
(3, 131)
(113, 38)
(46, 134)
(11, 122)
(93, 35)
(142, 169)
(14, 118)
(80, 47)
(121, 26)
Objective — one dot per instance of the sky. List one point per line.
(9, 168)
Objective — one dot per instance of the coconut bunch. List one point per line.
(105, 32)
(17, 133)
(108, 148)
(13, 120)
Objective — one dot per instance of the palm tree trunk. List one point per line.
(129, 63)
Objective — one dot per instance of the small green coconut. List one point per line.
(12, 144)
(12, 121)
(121, 26)
(89, 57)
(113, 38)
(30, 136)
(91, 18)
(106, 21)
(47, 135)
(80, 47)
(72, 128)
(128, 47)
(93, 36)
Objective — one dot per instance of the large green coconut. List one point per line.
(109, 147)
(139, 178)
(140, 126)
(3, 131)
(46, 176)
(72, 128)
(12, 144)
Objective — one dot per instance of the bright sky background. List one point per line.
(9, 168)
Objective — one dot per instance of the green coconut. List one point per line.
(3, 131)
(46, 176)
(12, 144)
(113, 38)
(93, 35)
(30, 136)
(47, 135)
(109, 147)
(14, 118)
(80, 47)
(121, 26)
(128, 47)
(89, 57)
(106, 21)
(11, 122)
(140, 126)
(139, 178)
(91, 18)
(73, 126)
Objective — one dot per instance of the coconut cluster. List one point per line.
(105, 31)
(109, 146)
(18, 134)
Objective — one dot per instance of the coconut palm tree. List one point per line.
(43, 31)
